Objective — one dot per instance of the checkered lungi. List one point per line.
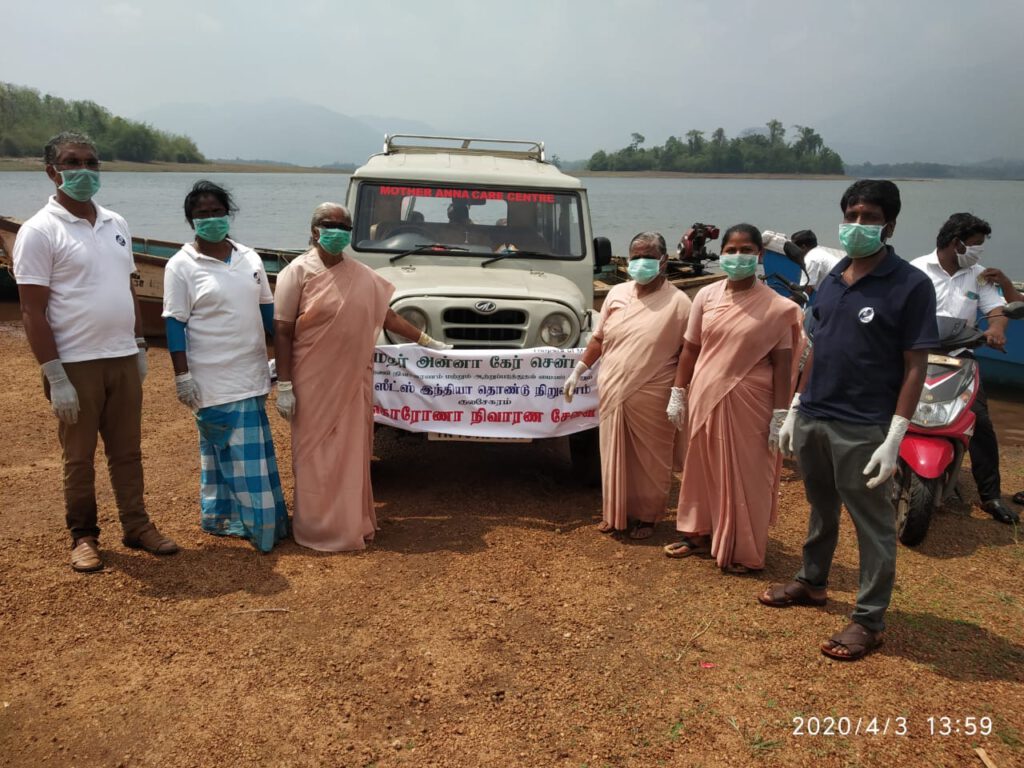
(240, 490)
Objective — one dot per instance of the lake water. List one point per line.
(275, 208)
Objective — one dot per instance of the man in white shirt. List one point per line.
(962, 288)
(73, 264)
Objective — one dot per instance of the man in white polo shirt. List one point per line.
(73, 264)
(962, 287)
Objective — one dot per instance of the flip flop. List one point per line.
(687, 547)
(793, 593)
(739, 569)
(604, 527)
(1018, 498)
(856, 638)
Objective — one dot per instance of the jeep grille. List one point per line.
(504, 327)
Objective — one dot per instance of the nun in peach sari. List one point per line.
(328, 311)
(637, 339)
(732, 388)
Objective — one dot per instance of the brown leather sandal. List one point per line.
(857, 639)
(85, 555)
(793, 593)
(151, 540)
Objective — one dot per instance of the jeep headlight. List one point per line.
(556, 330)
(416, 317)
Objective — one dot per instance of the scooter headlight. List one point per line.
(933, 415)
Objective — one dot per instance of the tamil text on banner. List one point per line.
(513, 393)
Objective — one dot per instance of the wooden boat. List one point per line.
(151, 256)
(679, 275)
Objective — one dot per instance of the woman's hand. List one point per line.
(187, 390)
(569, 388)
(285, 400)
(676, 410)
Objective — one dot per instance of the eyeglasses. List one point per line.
(92, 165)
(335, 225)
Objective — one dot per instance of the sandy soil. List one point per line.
(489, 625)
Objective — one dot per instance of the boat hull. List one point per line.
(1004, 369)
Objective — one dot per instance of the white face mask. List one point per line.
(970, 257)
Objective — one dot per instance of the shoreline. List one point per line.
(688, 175)
(35, 165)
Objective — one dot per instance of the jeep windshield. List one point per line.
(468, 221)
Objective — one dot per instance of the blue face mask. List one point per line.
(861, 240)
(644, 270)
(80, 184)
(213, 229)
(738, 266)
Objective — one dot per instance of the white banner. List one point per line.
(507, 393)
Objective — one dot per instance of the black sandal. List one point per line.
(1018, 498)
(641, 530)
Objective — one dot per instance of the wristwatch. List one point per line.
(141, 343)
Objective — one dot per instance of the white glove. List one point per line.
(285, 400)
(779, 416)
(63, 397)
(569, 388)
(429, 343)
(187, 389)
(787, 428)
(141, 360)
(676, 410)
(885, 456)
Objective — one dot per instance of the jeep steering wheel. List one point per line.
(412, 229)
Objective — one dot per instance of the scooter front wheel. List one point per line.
(916, 498)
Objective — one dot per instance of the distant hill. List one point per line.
(280, 130)
(998, 169)
(29, 119)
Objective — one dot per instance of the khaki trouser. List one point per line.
(832, 457)
(110, 401)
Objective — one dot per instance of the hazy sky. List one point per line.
(881, 79)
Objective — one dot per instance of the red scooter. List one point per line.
(935, 444)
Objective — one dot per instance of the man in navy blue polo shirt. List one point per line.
(873, 322)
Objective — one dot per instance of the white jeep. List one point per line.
(488, 245)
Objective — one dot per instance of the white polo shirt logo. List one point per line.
(256, 276)
(866, 315)
(120, 240)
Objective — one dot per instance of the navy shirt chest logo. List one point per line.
(866, 315)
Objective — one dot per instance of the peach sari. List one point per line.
(730, 482)
(341, 312)
(641, 337)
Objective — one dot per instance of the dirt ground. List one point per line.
(488, 625)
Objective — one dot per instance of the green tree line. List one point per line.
(753, 152)
(28, 120)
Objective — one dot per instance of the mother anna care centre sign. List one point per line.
(514, 393)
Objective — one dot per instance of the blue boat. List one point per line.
(1005, 369)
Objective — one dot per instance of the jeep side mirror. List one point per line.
(602, 252)
(1014, 310)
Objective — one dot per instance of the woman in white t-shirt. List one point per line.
(218, 309)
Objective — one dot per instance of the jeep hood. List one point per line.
(482, 283)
